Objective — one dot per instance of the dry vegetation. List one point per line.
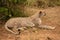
(52, 18)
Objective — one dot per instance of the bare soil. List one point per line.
(52, 18)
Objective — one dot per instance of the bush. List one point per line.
(43, 3)
(8, 8)
(54, 3)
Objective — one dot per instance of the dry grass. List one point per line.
(52, 18)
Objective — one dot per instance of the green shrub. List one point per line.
(8, 8)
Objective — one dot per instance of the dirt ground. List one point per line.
(52, 18)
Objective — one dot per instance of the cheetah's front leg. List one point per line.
(44, 26)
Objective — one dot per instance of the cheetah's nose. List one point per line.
(33, 24)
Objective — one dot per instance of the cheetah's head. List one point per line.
(41, 13)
